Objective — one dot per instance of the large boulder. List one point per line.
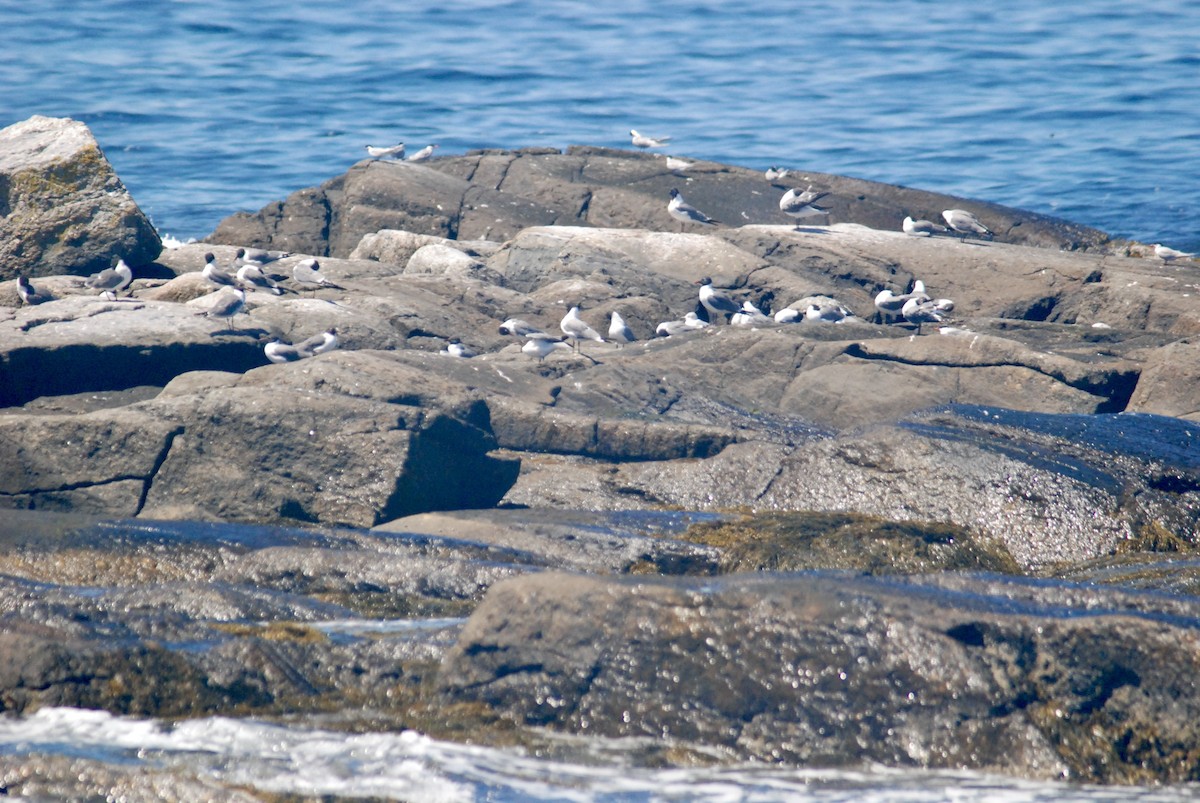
(62, 207)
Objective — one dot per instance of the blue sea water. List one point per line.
(1087, 110)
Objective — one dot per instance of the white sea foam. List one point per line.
(411, 766)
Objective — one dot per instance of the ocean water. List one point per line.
(1087, 110)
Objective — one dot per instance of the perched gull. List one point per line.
(963, 222)
(640, 141)
(716, 301)
(541, 345)
(279, 352)
(677, 164)
(774, 173)
(111, 281)
(307, 273)
(251, 276)
(258, 256)
(921, 228)
(422, 154)
(749, 315)
(619, 331)
(520, 328)
(918, 311)
(890, 304)
(31, 295)
(215, 275)
(694, 321)
(802, 204)
(455, 348)
(394, 152)
(671, 328)
(577, 329)
(684, 212)
(827, 313)
(789, 315)
(229, 302)
(1170, 254)
(320, 342)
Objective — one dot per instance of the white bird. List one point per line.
(229, 302)
(827, 313)
(542, 345)
(1170, 254)
(788, 315)
(577, 329)
(678, 164)
(890, 304)
(520, 328)
(422, 154)
(684, 212)
(774, 173)
(694, 321)
(716, 301)
(455, 348)
(279, 352)
(800, 205)
(307, 273)
(31, 295)
(921, 228)
(917, 311)
(250, 275)
(749, 315)
(393, 152)
(619, 331)
(258, 256)
(320, 342)
(963, 222)
(640, 141)
(111, 281)
(215, 275)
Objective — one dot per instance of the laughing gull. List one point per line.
(215, 275)
(800, 205)
(694, 321)
(279, 352)
(320, 343)
(749, 315)
(684, 212)
(677, 164)
(111, 281)
(520, 328)
(774, 173)
(251, 276)
(422, 154)
(541, 345)
(889, 304)
(963, 222)
(640, 141)
(307, 273)
(921, 228)
(455, 348)
(229, 302)
(690, 323)
(619, 331)
(827, 313)
(789, 315)
(394, 152)
(576, 329)
(717, 302)
(1170, 254)
(31, 295)
(920, 311)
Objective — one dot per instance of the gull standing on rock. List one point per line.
(889, 304)
(920, 311)
(921, 228)
(541, 345)
(963, 222)
(1170, 254)
(250, 275)
(394, 152)
(640, 141)
(619, 331)
(716, 301)
(307, 273)
(684, 212)
(422, 154)
(215, 275)
(800, 205)
(31, 295)
(229, 302)
(111, 281)
(577, 329)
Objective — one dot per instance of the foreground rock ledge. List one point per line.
(826, 669)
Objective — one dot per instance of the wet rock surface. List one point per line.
(972, 546)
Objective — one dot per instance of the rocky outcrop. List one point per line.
(62, 207)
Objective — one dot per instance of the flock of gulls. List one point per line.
(250, 272)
